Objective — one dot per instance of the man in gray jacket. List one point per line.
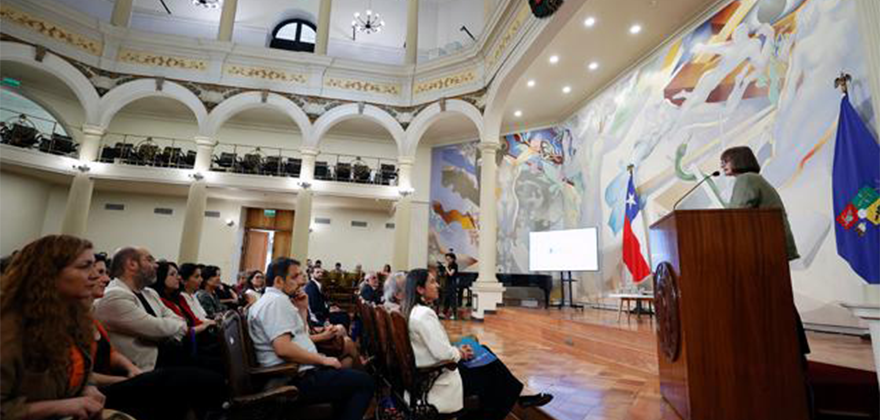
(134, 315)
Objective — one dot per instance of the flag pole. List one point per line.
(842, 82)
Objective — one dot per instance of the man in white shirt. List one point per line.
(280, 334)
(135, 317)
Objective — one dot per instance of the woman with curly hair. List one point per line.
(43, 311)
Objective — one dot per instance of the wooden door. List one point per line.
(256, 248)
(281, 246)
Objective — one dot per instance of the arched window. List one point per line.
(294, 35)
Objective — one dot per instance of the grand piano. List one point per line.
(541, 281)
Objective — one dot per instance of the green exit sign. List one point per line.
(8, 81)
(269, 213)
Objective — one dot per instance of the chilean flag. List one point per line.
(632, 249)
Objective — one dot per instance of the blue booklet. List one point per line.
(482, 355)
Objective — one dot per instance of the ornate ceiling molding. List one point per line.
(48, 29)
(447, 82)
(264, 73)
(362, 86)
(157, 60)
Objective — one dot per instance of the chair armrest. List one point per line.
(437, 367)
(287, 392)
(291, 369)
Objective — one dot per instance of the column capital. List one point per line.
(204, 141)
(489, 147)
(308, 151)
(93, 130)
(406, 160)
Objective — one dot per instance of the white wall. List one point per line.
(22, 210)
(339, 241)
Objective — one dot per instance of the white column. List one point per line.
(323, 35)
(302, 218)
(412, 32)
(79, 199)
(227, 20)
(869, 16)
(121, 13)
(91, 142)
(193, 220)
(487, 288)
(403, 215)
(204, 153)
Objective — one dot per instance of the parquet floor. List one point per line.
(599, 368)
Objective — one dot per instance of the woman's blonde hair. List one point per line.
(49, 323)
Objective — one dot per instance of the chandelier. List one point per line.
(208, 4)
(368, 23)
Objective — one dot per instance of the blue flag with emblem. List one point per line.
(856, 192)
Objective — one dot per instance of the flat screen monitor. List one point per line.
(564, 250)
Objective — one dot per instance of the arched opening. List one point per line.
(295, 35)
(35, 108)
(357, 149)
(259, 140)
(151, 131)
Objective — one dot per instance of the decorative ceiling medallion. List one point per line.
(362, 86)
(264, 73)
(544, 8)
(447, 82)
(155, 60)
(51, 30)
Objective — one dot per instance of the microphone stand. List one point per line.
(705, 178)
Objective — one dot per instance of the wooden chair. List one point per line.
(418, 381)
(249, 377)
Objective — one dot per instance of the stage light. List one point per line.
(635, 29)
(589, 22)
(554, 59)
(531, 83)
(566, 89)
(517, 113)
(593, 66)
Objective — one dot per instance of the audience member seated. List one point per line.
(207, 295)
(46, 332)
(395, 290)
(320, 313)
(126, 386)
(192, 280)
(359, 274)
(370, 290)
(337, 269)
(226, 293)
(137, 320)
(254, 287)
(386, 271)
(241, 282)
(280, 334)
(497, 388)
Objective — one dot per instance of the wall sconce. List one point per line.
(197, 176)
(306, 185)
(230, 222)
(82, 167)
(405, 192)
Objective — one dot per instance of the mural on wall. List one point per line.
(455, 198)
(758, 73)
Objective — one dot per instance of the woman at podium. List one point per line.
(752, 191)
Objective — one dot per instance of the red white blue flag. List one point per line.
(632, 249)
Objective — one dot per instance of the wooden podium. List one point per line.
(726, 339)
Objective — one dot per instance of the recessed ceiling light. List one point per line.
(589, 22)
(531, 83)
(566, 89)
(636, 28)
(554, 59)
(593, 65)
(517, 113)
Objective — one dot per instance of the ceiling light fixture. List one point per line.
(566, 89)
(554, 59)
(593, 66)
(368, 23)
(517, 113)
(208, 4)
(589, 22)
(531, 83)
(636, 28)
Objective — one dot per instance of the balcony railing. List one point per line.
(34, 132)
(256, 160)
(357, 169)
(130, 149)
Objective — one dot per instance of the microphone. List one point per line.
(716, 173)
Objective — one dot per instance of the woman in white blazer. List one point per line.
(496, 387)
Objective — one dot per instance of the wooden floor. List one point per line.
(600, 368)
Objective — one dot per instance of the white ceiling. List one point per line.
(608, 43)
